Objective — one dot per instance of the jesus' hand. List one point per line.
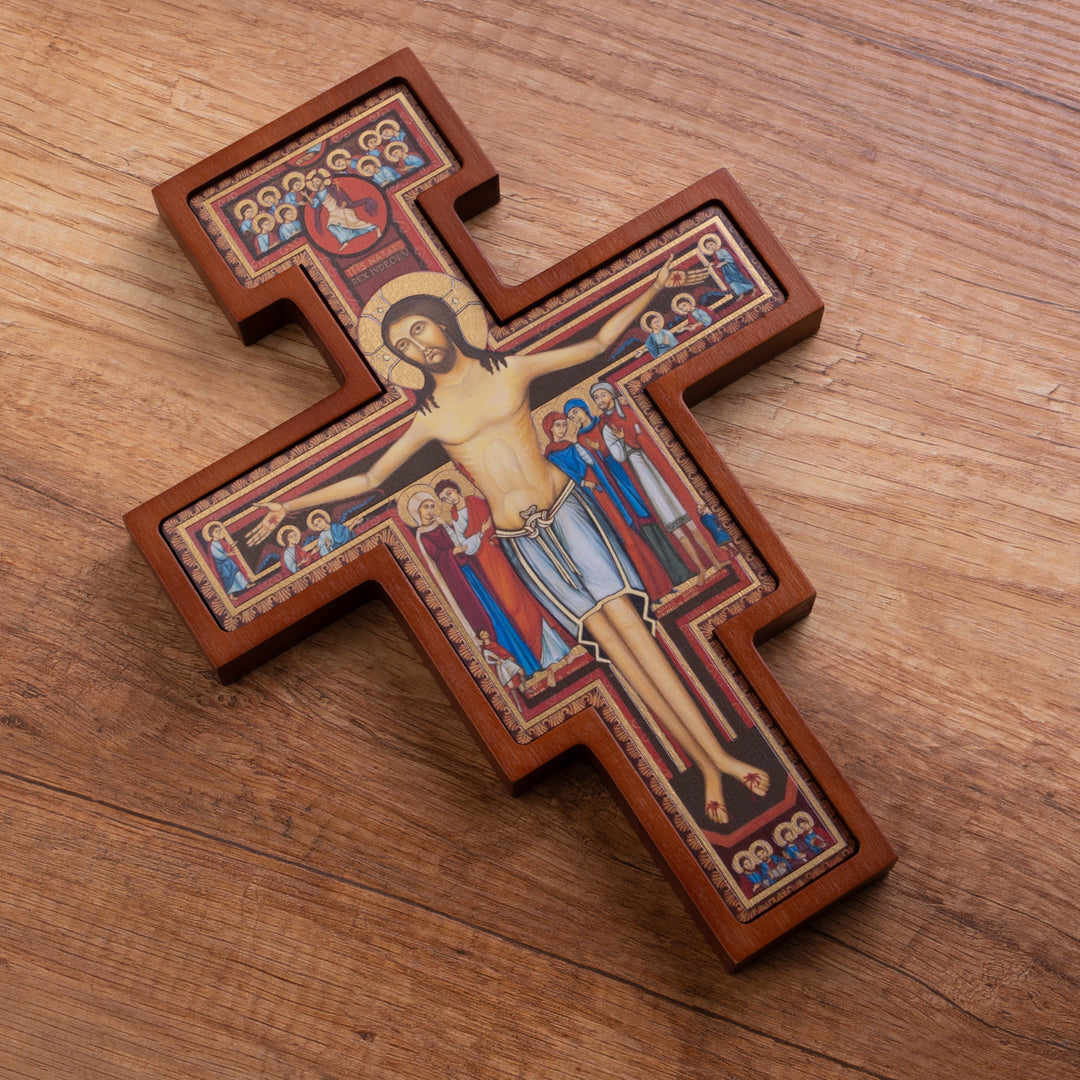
(275, 515)
(665, 276)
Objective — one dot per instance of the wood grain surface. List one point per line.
(312, 874)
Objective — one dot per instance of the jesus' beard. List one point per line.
(439, 367)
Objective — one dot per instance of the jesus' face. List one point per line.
(423, 343)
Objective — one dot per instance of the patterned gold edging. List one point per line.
(229, 620)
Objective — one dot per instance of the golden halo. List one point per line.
(682, 296)
(268, 196)
(368, 159)
(242, 206)
(364, 135)
(265, 222)
(710, 236)
(339, 159)
(799, 818)
(451, 474)
(287, 529)
(762, 846)
(780, 841)
(317, 513)
(738, 857)
(208, 526)
(387, 122)
(406, 498)
(324, 173)
(284, 208)
(457, 295)
(395, 151)
(643, 322)
(289, 177)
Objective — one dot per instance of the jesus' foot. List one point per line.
(715, 810)
(755, 781)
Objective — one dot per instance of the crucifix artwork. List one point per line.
(516, 470)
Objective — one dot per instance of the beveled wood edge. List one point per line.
(736, 943)
(585, 735)
(290, 296)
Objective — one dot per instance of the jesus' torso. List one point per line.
(483, 421)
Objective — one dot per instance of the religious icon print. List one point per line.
(564, 541)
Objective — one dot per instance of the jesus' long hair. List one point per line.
(439, 312)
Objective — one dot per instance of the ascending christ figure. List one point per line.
(475, 403)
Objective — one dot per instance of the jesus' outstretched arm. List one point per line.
(413, 439)
(609, 333)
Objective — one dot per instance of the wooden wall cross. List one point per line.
(523, 482)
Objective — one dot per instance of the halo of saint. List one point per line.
(410, 501)
(339, 159)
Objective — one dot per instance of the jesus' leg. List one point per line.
(654, 660)
(637, 677)
(620, 631)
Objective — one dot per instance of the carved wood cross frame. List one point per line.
(523, 482)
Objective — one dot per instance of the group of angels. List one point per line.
(274, 214)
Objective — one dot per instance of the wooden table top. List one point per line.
(313, 873)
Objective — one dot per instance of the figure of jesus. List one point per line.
(475, 403)
(341, 217)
